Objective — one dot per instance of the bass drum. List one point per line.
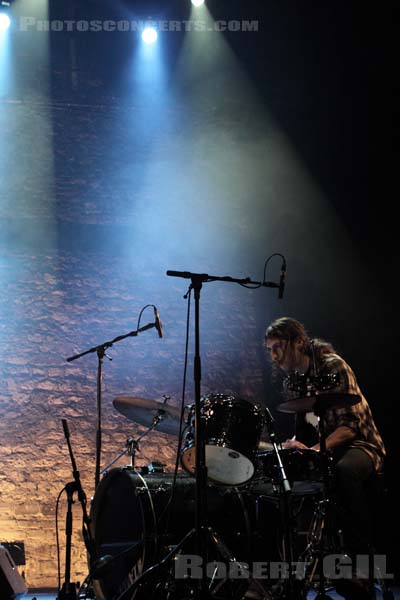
(134, 524)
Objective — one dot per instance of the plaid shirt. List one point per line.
(357, 417)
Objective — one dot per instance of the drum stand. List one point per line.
(292, 590)
(323, 508)
(132, 444)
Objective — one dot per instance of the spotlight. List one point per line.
(4, 22)
(149, 35)
(197, 2)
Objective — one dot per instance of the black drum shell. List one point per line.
(129, 521)
(299, 465)
(228, 422)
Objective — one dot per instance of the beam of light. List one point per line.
(197, 2)
(149, 35)
(26, 185)
(5, 22)
(6, 57)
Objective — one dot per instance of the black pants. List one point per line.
(352, 470)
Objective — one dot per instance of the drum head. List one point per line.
(224, 465)
(231, 431)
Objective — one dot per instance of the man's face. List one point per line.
(287, 355)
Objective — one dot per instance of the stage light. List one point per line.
(197, 2)
(4, 22)
(149, 35)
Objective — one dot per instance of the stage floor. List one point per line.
(32, 595)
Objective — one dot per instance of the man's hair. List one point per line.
(289, 329)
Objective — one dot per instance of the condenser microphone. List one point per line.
(158, 324)
(282, 280)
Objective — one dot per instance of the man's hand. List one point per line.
(289, 444)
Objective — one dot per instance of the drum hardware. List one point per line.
(101, 353)
(156, 467)
(320, 404)
(291, 586)
(68, 589)
(132, 444)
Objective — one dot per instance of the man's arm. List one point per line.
(342, 435)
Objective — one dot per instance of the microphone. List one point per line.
(158, 324)
(282, 280)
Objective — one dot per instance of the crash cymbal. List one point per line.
(143, 411)
(318, 403)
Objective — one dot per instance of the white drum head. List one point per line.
(224, 465)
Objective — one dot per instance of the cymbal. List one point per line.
(143, 411)
(263, 446)
(318, 403)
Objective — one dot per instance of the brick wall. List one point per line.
(44, 322)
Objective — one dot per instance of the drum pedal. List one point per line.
(156, 467)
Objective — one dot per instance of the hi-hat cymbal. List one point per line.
(318, 403)
(264, 446)
(143, 411)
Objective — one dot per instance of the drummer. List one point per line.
(352, 435)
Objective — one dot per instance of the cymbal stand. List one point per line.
(101, 353)
(323, 506)
(292, 591)
(132, 444)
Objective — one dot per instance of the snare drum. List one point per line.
(232, 429)
(299, 465)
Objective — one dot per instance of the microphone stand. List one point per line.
(201, 529)
(68, 589)
(101, 353)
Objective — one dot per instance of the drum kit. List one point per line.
(224, 526)
(142, 518)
